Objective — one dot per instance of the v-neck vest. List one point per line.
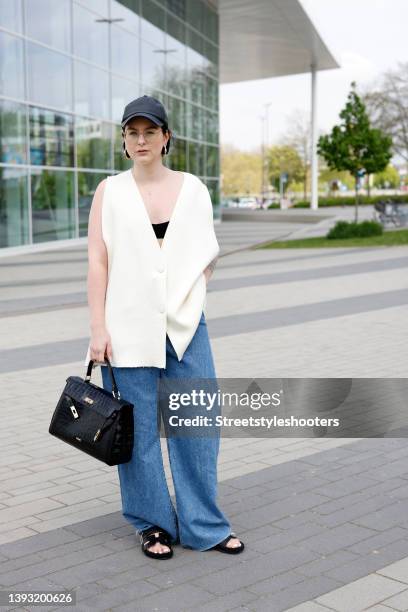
(154, 290)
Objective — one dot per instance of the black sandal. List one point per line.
(149, 537)
(222, 546)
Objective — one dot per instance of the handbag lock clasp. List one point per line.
(74, 411)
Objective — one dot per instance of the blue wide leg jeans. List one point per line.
(198, 523)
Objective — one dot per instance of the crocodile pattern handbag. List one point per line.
(94, 420)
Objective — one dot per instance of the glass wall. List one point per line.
(67, 69)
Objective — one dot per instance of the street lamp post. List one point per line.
(264, 173)
(262, 118)
(267, 105)
(314, 161)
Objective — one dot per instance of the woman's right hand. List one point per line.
(100, 344)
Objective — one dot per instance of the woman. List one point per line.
(152, 249)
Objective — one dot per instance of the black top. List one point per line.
(160, 228)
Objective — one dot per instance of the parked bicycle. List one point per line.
(387, 212)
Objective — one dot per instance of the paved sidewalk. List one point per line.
(314, 527)
(320, 518)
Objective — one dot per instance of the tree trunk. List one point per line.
(356, 199)
(368, 185)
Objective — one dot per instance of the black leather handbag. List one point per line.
(94, 420)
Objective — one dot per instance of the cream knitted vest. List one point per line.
(153, 290)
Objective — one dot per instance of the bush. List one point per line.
(350, 201)
(369, 228)
(344, 229)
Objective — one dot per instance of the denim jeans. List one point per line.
(198, 523)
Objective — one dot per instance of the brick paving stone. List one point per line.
(397, 602)
(296, 593)
(397, 570)
(362, 593)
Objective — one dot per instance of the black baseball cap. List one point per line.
(145, 106)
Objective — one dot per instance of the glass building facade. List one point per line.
(67, 70)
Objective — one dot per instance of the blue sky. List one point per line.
(365, 36)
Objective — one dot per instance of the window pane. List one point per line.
(177, 159)
(214, 189)
(212, 127)
(177, 116)
(176, 57)
(176, 7)
(152, 23)
(212, 25)
(211, 59)
(98, 6)
(195, 67)
(10, 15)
(11, 66)
(195, 14)
(49, 77)
(91, 91)
(195, 118)
(125, 53)
(153, 69)
(12, 133)
(90, 36)
(123, 91)
(51, 138)
(211, 99)
(130, 19)
(94, 142)
(52, 193)
(212, 165)
(49, 22)
(87, 184)
(196, 159)
(13, 207)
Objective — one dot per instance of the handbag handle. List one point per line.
(115, 390)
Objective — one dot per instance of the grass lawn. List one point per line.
(389, 238)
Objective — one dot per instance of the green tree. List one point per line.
(241, 172)
(284, 158)
(387, 178)
(297, 135)
(354, 145)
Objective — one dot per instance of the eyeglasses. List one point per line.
(148, 135)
